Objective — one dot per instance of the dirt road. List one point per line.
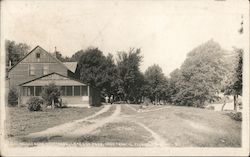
(159, 126)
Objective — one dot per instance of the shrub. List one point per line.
(235, 115)
(13, 97)
(51, 93)
(35, 104)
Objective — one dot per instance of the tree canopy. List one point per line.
(200, 76)
(91, 67)
(155, 83)
(234, 82)
(15, 51)
(130, 79)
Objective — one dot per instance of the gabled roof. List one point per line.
(71, 66)
(45, 52)
(52, 74)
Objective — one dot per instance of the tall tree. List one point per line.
(91, 67)
(130, 78)
(155, 83)
(172, 89)
(234, 84)
(15, 51)
(98, 70)
(110, 85)
(75, 57)
(201, 75)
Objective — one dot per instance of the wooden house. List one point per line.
(39, 68)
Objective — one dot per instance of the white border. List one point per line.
(102, 151)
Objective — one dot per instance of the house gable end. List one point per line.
(44, 57)
(35, 64)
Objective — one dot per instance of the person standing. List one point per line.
(111, 99)
(106, 99)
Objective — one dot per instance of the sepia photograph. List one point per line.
(124, 77)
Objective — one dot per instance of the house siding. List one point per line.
(21, 72)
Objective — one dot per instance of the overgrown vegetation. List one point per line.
(13, 97)
(15, 51)
(35, 104)
(51, 95)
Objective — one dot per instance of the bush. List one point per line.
(13, 97)
(236, 116)
(35, 104)
(51, 93)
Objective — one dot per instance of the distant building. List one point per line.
(39, 68)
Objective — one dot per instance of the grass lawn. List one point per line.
(188, 126)
(20, 121)
(175, 125)
(118, 134)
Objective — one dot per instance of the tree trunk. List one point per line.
(224, 104)
(235, 102)
(53, 104)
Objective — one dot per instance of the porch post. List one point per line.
(19, 100)
(73, 93)
(88, 91)
(34, 91)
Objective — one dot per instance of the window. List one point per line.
(30, 91)
(76, 90)
(38, 90)
(84, 91)
(25, 91)
(32, 70)
(69, 91)
(45, 69)
(38, 55)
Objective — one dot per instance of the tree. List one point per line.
(110, 85)
(60, 57)
(234, 84)
(91, 67)
(200, 76)
(130, 79)
(172, 89)
(51, 94)
(75, 57)
(13, 97)
(15, 51)
(155, 83)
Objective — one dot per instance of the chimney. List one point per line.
(54, 53)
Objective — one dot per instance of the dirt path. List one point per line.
(131, 108)
(67, 127)
(94, 124)
(158, 140)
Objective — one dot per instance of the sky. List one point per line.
(164, 30)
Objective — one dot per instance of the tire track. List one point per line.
(65, 128)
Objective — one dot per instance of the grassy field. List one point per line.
(174, 125)
(20, 122)
(117, 134)
(188, 126)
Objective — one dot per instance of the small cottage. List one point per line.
(39, 68)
